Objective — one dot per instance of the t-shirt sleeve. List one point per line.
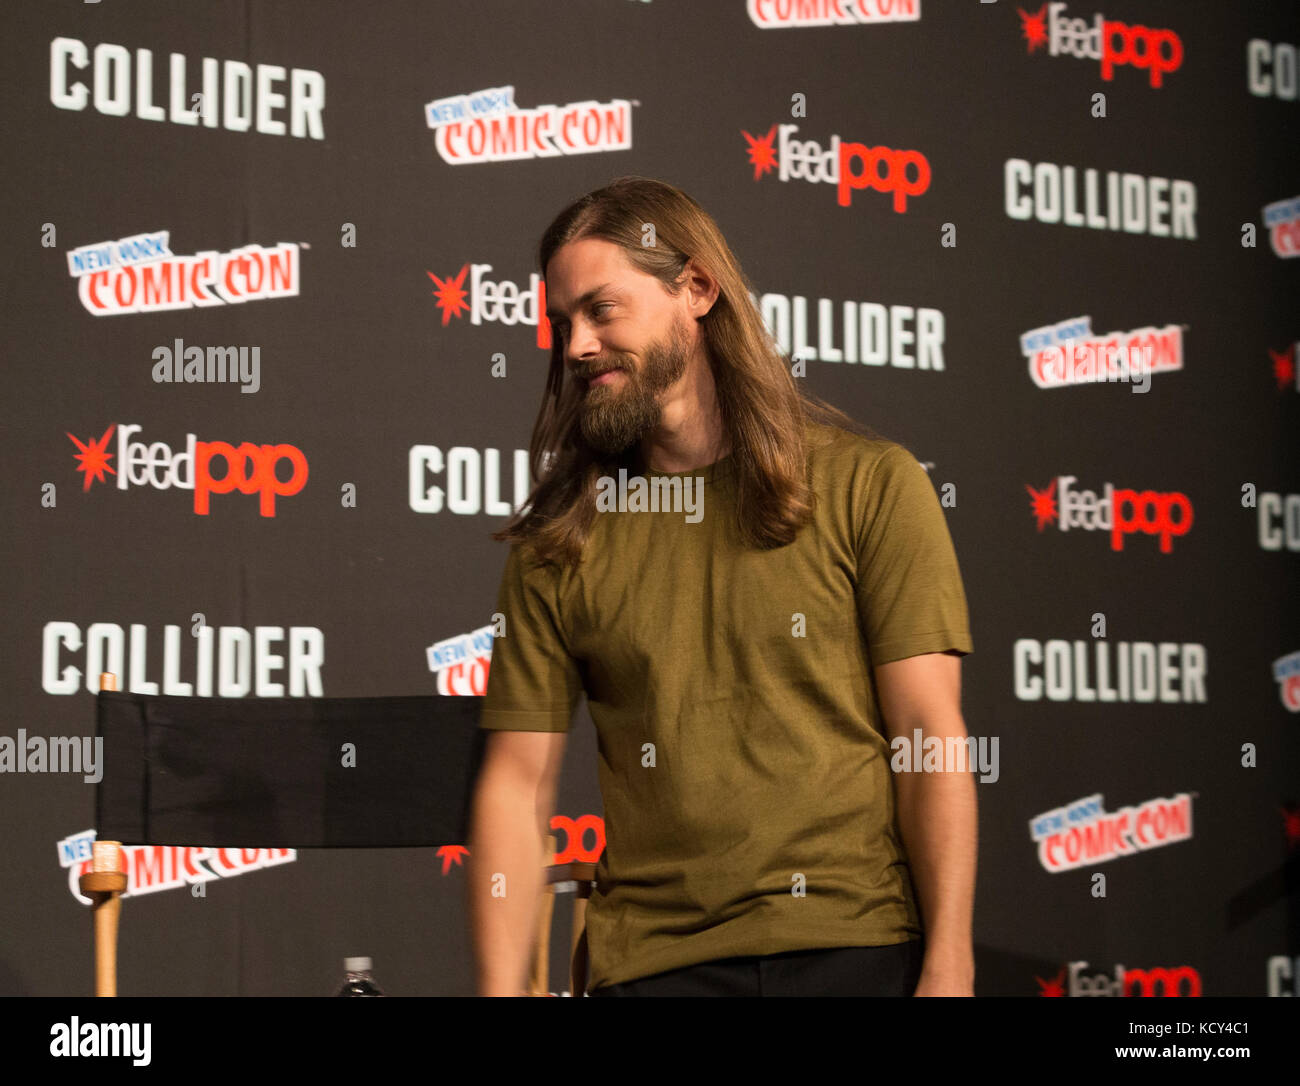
(910, 595)
(533, 682)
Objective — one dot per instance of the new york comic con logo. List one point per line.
(460, 663)
(140, 274)
(487, 126)
(778, 14)
(1084, 833)
(1109, 41)
(1286, 670)
(1282, 217)
(1070, 353)
(151, 868)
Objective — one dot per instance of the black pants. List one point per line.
(836, 971)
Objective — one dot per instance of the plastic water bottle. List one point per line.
(358, 981)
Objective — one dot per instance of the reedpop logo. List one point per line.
(249, 468)
(850, 167)
(1145, 983)
(1109, 41)
(1120, 512)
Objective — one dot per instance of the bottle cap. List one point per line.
(356, 965)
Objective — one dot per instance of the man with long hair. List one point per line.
(746, 668)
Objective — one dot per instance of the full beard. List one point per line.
(613, 419)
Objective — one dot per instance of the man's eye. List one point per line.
(561, 328)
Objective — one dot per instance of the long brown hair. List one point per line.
(763, 410)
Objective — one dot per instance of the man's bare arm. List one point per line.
(511, 813)
(936, 817)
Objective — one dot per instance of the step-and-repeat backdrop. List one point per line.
(274, 348)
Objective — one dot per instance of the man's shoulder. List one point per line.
(835, 452)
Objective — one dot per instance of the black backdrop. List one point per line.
(368, 366)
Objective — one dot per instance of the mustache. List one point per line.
(586, 373)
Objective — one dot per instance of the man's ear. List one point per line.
(704, 289)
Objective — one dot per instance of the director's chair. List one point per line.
(267, 773)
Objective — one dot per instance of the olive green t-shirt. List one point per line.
(743, 763)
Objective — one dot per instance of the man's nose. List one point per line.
(582, 343)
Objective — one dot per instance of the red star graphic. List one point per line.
(1034, 27)
(93, 459)
(451, 294)
(1283, 366)
(1291, 825)
(1054, 987)
(451, 854)
(1043, 504)
(762, 152)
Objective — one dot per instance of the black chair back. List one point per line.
(384, 772)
